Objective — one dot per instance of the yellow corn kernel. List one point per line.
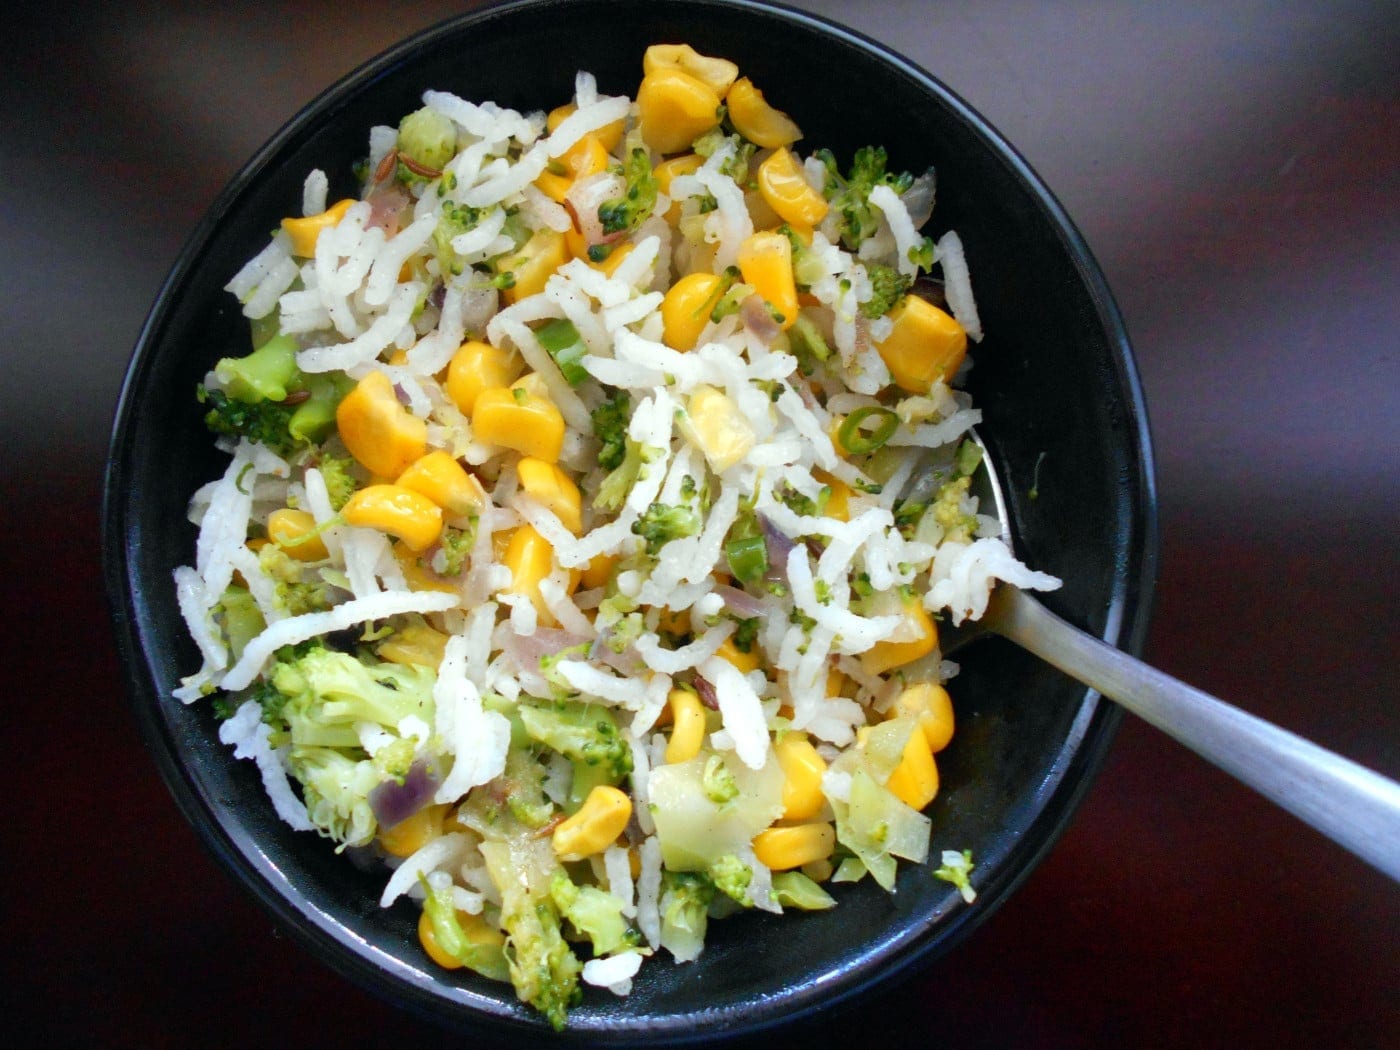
(915, 780)
(304, 232)
(744, 661)
(417, 575)
(718, 74)
(516, 417)
(531, 266)
(410, 516)
(598, 571)
(930, 703)
(685, 309)
(475, 929)
(765, 260)
(295, 532)
(925, 344)
(435, 951)
(756, 120)
(414, 644)
(834, 432)
(379, 432)
(838, 504)
(596, 826)
(788, 192)
(446, 482)
(921, 638)
(673, 622)
(802, 769)
(667, 170)
(720, 430)
(554, 489)
(835, 682)
(609, 134)
(614, 259)
(476, 366)
(819, 870)
(688, 726)
(675, 109)
(760, 211)
(414, 832)
(500, 543)
(587, 156)
(530, 558)
(787, 847)
(579, 247)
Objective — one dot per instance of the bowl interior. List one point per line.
(1053, 376)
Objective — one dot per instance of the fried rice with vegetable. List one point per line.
(598, 480)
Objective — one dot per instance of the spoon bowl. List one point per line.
(1352, 805)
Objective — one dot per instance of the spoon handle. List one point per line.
(1355, 807)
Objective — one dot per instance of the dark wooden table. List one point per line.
(1236, 169)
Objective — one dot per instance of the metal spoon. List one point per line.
(1352, 805)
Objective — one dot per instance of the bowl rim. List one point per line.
(1087, 744)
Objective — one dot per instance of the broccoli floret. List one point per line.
(594, 913)
(610, 428)
(454, 547)
(299, 590)
(427, 140)
(316, 397)
(746, 633)
(719, 783)
(625, 630)
(796, 502)
(850, 196)
(267, 400)
(328, 692)
(262, 691)
(958, 526)
(737, 166)
(264, 375)
(807, 343)
(336, 790)
(523, 780)
(907, 515)
(455, 220)
(586, 734)
(341, 483)
(264, 422)
(661, 523)
(957, 869)
(685, 912)
(542, 967)
(485, 957)
(634, 207)
(239, 616)
(395, 759)
(612, 493)
(731, 877)
(890, 287)
(792, 889)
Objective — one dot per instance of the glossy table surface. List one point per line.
(1236, 170)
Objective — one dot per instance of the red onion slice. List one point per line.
(394, 803)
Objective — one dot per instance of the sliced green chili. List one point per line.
(561, 340)
(748, 558)
(857, 441)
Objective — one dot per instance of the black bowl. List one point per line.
(1063, 414)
